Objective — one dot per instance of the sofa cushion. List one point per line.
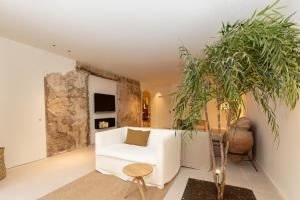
(128, 152)
(137, 137)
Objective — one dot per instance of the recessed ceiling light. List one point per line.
(53, 45)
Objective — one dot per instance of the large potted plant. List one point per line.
(258, 56)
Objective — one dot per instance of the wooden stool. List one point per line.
(138, 171)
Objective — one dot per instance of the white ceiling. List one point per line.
(135, 38)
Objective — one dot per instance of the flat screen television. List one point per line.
(104, 102)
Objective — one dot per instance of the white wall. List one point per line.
(281, 164)
(103, 86)
(162, 106)
(22, 103)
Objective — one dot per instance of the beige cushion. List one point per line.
(137, 137)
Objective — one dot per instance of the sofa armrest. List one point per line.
(109, 137)
(168, 152)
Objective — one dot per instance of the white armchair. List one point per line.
(162, 152)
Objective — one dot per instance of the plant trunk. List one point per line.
(224, 170)
(212, 154)
(221, 180)
(224, 154)
(220, 185)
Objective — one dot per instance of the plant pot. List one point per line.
(2, 164)
(241, 142)
(243, 122)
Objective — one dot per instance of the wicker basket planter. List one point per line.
(2, 164)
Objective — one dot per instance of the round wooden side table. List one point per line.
(138, 171)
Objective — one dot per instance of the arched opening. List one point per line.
(146, 109)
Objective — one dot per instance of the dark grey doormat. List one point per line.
(205, 190)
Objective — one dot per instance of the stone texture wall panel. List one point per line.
(128, 96)
(66, 111)
(129, 103)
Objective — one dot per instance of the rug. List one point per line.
(97, 186)
(198, 189)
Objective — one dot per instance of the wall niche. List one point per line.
(146, 109)
(128, 100)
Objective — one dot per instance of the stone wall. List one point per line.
(128, 96)
(67, 109)
(129, 103)
(97, 72)
(67, 117)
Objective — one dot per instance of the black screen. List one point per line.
(104, 102)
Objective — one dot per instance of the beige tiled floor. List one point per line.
(33, 180)
(241, 175)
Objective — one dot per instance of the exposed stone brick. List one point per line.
(128, 96)
(66, 111)
(129, 103)
(97, 72)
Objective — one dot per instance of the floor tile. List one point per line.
(36, 179)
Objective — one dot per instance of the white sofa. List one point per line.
(162, 152)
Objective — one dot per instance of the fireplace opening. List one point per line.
(103, 123)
